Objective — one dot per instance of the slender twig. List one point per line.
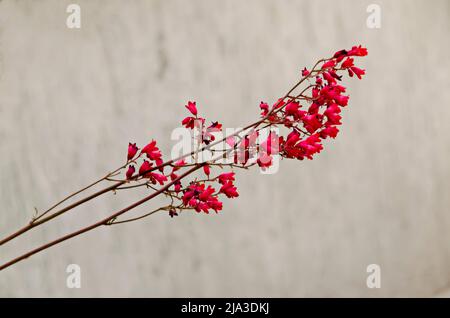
(138, 217)
(99, 223)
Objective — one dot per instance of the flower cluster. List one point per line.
(308, 117)
(315, 117)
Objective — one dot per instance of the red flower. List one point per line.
(160, 178)
(359, 72)
(152, 152)
(305, 72)
(145, 167)
(229, 190)
(215, 204)
(130, 171)
(332, 113)
(292, 108)
(329, 78)
(265, 109)
(264, 160)
(357, 51)
(177, 186)
(132, 150)
(179, 164)
(347, 63)
(206, 170)
(292, 138)
(226, 176)
(189, 122)
(312, 122)
(205, 195)
(330, 131)
(192, 108)
(328, 64)
(339, 55)
(280, 103)
(311, 146)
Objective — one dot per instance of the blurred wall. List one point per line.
(70, 100)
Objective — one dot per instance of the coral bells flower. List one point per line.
(292, 109)
(330, 131)
(229, 190)
(132, 150)
(357, 51)
(347, 63)
(157, 177)
(145, 167)
(264, 109)
(356, 70)
(191, 106)
(226, 176)
(311, 146)
(305, 72)
(329, 64)
(130, 171)
(189, 122)
(153, 153)
(206, 170)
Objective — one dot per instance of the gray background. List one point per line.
(70, 100)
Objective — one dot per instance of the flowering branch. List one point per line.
(242, 149)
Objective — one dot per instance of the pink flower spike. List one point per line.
(191, 106)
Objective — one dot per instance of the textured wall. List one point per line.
(70, 100)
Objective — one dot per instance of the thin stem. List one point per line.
(137, 218)
(99, 223)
